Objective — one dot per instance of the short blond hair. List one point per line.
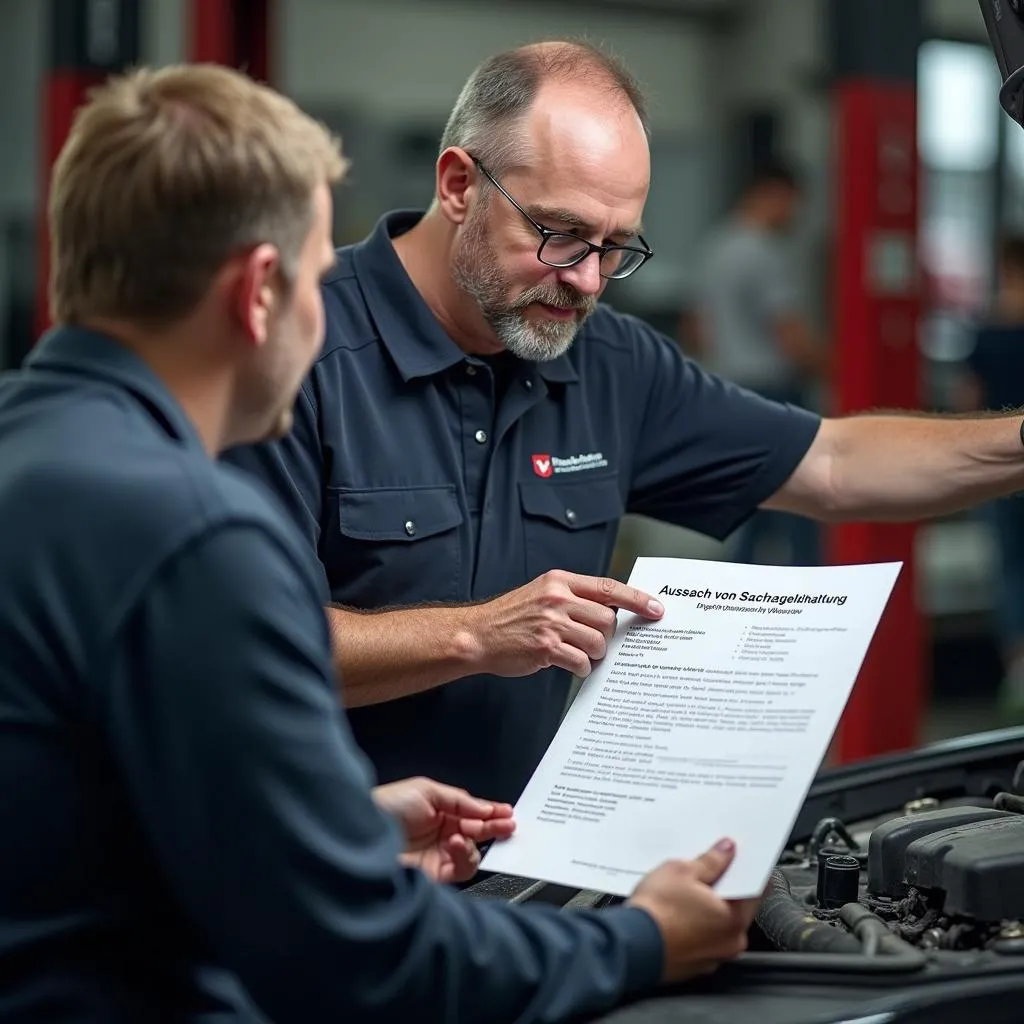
(168, 173)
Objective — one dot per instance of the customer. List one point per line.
(189, 831)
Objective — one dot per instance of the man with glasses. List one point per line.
(453, 444)
(478, 423)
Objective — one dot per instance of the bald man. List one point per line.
(479, 421)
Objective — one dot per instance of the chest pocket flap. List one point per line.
(398, 513)
(574, 504)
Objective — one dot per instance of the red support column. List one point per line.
(876, 317)
(89, 40)
(232, 32)
(878, 366)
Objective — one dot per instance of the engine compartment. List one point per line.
(919, 915)
(938, 876)
(903, 879)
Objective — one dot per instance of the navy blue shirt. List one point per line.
(997, 362)
(187, 830)
(417, 476)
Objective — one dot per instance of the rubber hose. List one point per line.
(775, 964)
(864, 924)
(791, 928)
(1009, 802)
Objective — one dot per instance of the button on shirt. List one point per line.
(187, 828)
(505, 469)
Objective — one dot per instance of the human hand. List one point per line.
(559, 619)
(442, 826)
(699, 928)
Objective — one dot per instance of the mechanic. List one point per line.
(188, 827)
(503, 455)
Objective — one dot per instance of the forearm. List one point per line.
(905, 467)
(381, 656)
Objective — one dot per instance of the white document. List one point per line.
(711, 722)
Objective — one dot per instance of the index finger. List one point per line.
(614, 594)
(460, 804)
(480, 831)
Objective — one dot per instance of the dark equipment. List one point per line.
(1004, 21)
(838, 881)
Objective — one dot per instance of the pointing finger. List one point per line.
(614, 594)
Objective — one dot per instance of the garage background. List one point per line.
(835, 85)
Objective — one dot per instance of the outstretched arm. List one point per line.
(904, 466)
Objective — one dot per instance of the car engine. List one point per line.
(936, 877)
(898, 899)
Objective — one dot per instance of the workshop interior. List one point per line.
(856, 96)
(903, 121)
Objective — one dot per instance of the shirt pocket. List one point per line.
(396, 546)
(570, 524)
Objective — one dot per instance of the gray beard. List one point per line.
(476, 272)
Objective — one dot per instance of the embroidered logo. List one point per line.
(545, 465)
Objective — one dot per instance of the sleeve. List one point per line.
(292, 469)
(706, 453)
(976, 359)
(246, 781)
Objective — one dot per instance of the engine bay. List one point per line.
(901, 888)
(936, 876)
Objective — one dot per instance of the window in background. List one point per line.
(959, 144)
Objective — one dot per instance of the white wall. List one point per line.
(408, 59)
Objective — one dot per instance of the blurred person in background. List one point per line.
(993, 378)
(752, 330)
(189, 831)
(515, 418)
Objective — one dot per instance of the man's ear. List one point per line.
(456, 180)
(255, 295)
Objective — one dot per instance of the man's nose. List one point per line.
(585, 276)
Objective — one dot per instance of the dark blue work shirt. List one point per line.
(997, 362)
(416, 479)
(186, 827)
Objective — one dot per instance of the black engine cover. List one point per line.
(972, 856)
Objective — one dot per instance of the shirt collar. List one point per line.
(97, 356)
(409, 330)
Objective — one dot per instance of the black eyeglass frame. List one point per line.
(547, 233)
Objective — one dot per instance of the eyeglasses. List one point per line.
(562, 249)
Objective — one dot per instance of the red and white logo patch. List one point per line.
(549, 465)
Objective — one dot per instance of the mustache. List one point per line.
(565, 297)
